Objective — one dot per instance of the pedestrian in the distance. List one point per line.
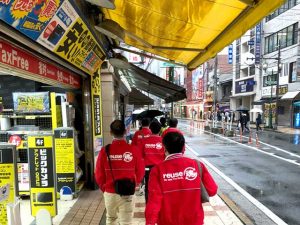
(258, 122)
(153, 151)
(174, 187)
(119, 166)
(164, 126)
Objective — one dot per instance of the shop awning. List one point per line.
(137, 98)
(290, 95)
(153, 84)
(191, 31)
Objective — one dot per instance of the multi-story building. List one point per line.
(281, 52)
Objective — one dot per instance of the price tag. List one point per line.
(29, 117)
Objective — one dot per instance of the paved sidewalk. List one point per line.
(216, 212)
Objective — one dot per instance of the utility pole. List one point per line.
(277, 83)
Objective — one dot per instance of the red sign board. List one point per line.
(23, 60)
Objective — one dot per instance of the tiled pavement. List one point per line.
(90, 207)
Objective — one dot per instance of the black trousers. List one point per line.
(147, 173)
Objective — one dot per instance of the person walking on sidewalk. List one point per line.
(164, 126)
(153, 151)
(142, 133)
(258, 122)
(173, 128)
(174, 187)
(118, 163)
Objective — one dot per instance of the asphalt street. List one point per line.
(268, 172)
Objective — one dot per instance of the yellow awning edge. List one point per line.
(189, 32)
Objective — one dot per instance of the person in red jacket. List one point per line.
(172, 127)
(126, 162)
(142, 133)
(153, 151)
(174, 187)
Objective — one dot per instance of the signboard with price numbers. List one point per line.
(42, 174)
(20, 60)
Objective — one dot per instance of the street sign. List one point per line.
(271, 82)
(251, 42)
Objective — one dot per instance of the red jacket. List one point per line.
(126, 163)
(173, 129)
(152, 150)
(174, 192)
(140, 134)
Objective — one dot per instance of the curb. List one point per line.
(235, 209)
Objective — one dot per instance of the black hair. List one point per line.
(155, 127)
(173, 122)
(173, 142)
(145, 122)
(163, 121)
(117, 128)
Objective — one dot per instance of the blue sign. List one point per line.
(230, 54)
(28, 17)
(251, 42)
(297, 120)
(244, 86)
(258, 43)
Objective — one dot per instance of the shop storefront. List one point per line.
(37, 97)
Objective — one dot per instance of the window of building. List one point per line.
(286, 37)
(286, 6)
(292, 72)
(252, 70)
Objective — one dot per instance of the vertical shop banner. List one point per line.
(230, 54)
(97, 113)
(258, 29)
(197, 83)
(64, 158)
(57, 25)
(8, 179)
(42, 174)
(128, 118)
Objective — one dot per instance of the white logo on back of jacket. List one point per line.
(157, 146)
(127, 156)
(189, 173)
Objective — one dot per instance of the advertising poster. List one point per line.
(29, 17)
(97, 113)
(197, 82)
(79, 47)
(23, 178)
(56, 25)
(42, 175)
(64, 158)
(8, 183)
(31, 102)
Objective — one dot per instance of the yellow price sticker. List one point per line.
(29, 117)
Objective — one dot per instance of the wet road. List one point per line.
(270, 172)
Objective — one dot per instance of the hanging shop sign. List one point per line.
(258, 29)
(244, 86)
(97, 113)
(15, 58)
(64, 158)
(42, 175)
(230, 54)
(57, 25)
(8, 179)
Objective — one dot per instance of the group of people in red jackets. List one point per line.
(172, 180)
